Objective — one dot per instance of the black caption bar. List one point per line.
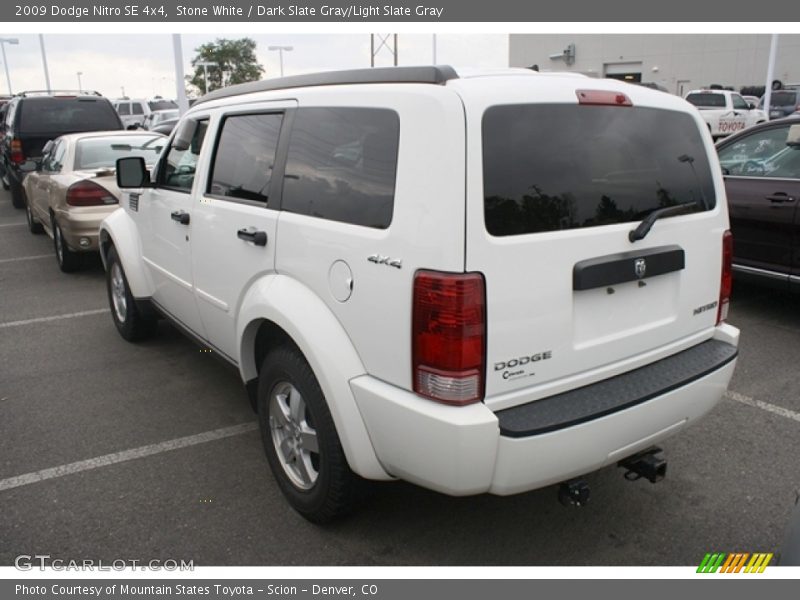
(512, 11)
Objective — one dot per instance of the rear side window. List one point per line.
(137, 108)
(703, 100)
(342, 164)
(124, 108)
(549, 167)
(245, 157)
(64, 115)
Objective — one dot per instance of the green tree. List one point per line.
(235, 58)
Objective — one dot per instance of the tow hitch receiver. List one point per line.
(574, 492)
(648, 464)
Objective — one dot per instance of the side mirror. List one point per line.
(185, 134)
(133, 127)
(29, 166)
(132, 173)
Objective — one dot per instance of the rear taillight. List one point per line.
(448, 336)
(603, 98)
(726, 283)
(17, 155)
(88, 193)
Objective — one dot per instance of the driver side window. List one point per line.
(762, 154)
(178, 166)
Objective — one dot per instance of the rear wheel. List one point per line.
(68, 261)
(300, 439)
(129, 320)
(33, 225)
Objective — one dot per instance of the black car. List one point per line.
(761, 167)
(34, 118)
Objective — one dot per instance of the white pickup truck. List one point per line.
(724, 111)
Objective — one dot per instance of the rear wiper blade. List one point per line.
(645, 226)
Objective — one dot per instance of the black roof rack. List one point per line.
(28, 93)
(438, 75)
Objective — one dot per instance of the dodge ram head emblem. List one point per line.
(640, 267)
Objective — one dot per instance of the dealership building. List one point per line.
(676, 62)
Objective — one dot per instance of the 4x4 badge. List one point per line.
(640, 267)
(385, 260)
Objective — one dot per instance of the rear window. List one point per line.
(103, 152)
(551, 167)
(782, 99)
(57, 116)
(162, 104)
(707, 100)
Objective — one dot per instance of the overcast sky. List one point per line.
(142, 64)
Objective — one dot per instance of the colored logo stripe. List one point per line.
(734, 562)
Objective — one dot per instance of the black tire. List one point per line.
(330, 490)
(68, 261)
(132, 324)
(17, 199)
(33, 226)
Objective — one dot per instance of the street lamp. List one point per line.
(80, 89)
(281, 50)
(205, 64)
(3, 42)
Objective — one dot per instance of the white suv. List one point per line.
(473, 282)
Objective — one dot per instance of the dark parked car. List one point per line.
(782, 103)
(34, 118)
(761, 166)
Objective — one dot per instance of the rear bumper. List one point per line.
(468, 450)
(84, 223)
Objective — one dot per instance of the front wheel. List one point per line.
(300, 439)
(128, 319)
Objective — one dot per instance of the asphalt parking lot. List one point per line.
(73, 391)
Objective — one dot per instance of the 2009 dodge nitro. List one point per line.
(535, 317)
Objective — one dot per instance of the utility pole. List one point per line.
(383, 42)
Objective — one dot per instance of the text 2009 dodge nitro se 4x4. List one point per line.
(476, 282)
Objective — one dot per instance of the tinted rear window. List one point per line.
(783, 98)
(57, 116)
(707, 100)
(551, 167)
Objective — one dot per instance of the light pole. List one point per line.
(80, 89)
(281, 50)
(205, 64)
(3, 42)
(44, 62)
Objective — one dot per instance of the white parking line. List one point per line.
(778, 410)
(84, 313)
(13, 224)
(37, 257)
(118, 457)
